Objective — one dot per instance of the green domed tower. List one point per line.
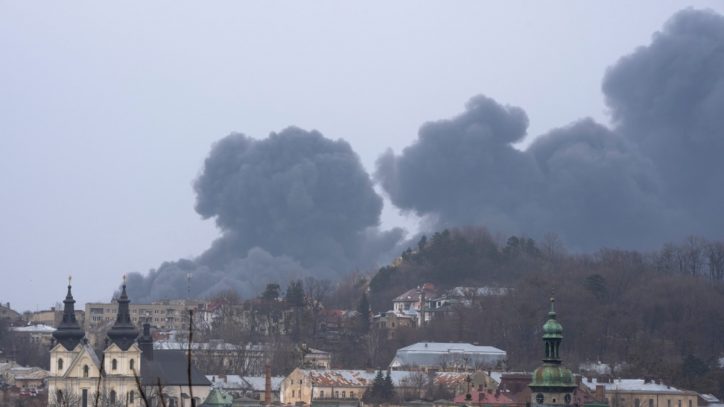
(552, 383)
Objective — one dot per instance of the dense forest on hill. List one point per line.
(658, 314)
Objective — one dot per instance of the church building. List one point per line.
(553, 384)
(127, 372)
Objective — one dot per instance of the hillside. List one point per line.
(655, 314)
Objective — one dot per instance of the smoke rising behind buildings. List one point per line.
(298, 204)
(655, 176)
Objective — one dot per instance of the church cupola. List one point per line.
(552, 383)
(69, 333)
(123, 333)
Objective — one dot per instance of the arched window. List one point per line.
(85, 370)
(60, 364)
(114, 364)
(113, 396)
(59, 396)
(344, 394)
(131, 396)
(132, 364)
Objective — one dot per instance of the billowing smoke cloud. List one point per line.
(292, 205)
(656, 176)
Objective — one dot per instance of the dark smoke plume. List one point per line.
(655, 177)
(291, 205)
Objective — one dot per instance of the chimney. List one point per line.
(145, 342)
(600, 392)
(267, 385)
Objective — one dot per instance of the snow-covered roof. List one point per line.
(259, 382)
(39, 329)
(413, 294)
(256, 383)
(709, 398)
(440, 353)
(633, 385)
(210, 346)
(364, 378)
(476, 291)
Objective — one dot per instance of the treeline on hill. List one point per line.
(658, 314)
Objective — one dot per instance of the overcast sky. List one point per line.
(107, 113)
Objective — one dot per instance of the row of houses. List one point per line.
(419, 306)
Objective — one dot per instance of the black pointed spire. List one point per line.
(123, 333)
(69, 333)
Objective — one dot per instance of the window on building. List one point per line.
(678, 403)
(351, 394)
(60, 364)
(637, 403)
(113, 396)
(114, 365)
(172, 402)
(132, 364)
(336, 394)
(85, 370)
(59, 396)
(131, 396)
(651, 402)
(689, 403)
(84, 398)
(344, 394)
(293, 394)
(321, 394)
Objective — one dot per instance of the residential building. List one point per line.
(484, 398)
(8, 313)
(641, 393)
(310, 386)
(315, 358)
(450, 301)
(168, 314)
(41, 334)
(22, 377)
(448, 356)
(53, 316)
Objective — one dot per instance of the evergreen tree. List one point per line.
(388, 389)
(295, 294)
(271, 292)
(375, 393)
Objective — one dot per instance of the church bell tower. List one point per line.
(552, 384)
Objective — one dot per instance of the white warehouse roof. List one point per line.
(429, 354)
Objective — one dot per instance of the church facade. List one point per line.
(128, 371)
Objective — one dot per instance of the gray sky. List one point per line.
(107, 113)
